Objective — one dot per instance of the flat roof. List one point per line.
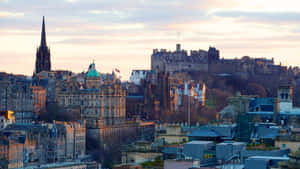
(199, 142)
(56, 165)
(233, 143)
(270, 157)
(260, 112)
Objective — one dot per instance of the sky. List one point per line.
(123, 33)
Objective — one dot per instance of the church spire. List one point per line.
(43, 34)
(43, 61)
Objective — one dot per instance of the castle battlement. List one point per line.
(180, 60)
(209, 61)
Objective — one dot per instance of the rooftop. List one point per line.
(270, 157)
(204, 133)
(232, 143)
(199, 142)
(55, 165)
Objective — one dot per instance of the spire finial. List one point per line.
(43, 34)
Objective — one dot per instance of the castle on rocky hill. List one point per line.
(210, 62)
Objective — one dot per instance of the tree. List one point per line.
(236, 83)
(55, 112)
(255, 89)
(219, 97)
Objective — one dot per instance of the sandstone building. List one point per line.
(39, 98)
(98, 98)
(34, 144)
(16, 95)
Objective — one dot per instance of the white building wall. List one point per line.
(137, 76)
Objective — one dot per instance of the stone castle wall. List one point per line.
(210, 62)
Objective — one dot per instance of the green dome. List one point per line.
(92, 72)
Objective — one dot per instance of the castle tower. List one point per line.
(213, 55)
(43, 62)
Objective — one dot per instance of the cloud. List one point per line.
(72, 1)
(260, 16)
(212, 4)
(11, 14)
(296, 30)
(117, 13)
(128, 30)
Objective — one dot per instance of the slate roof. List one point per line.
(265, 132)
(213, 131)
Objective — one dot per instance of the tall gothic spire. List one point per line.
(43, 61)
(43, 34)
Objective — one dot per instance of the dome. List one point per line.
(92, 72)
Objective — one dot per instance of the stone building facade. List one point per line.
(186, 94)
(11, 152)
(33, 144)
(138, 75)
(179, 60)
(99, 99)
(6, 118)
(47, 80)
(209, 61)
(16, 95)
(39, 98)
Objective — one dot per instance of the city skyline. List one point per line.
(122, 35)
